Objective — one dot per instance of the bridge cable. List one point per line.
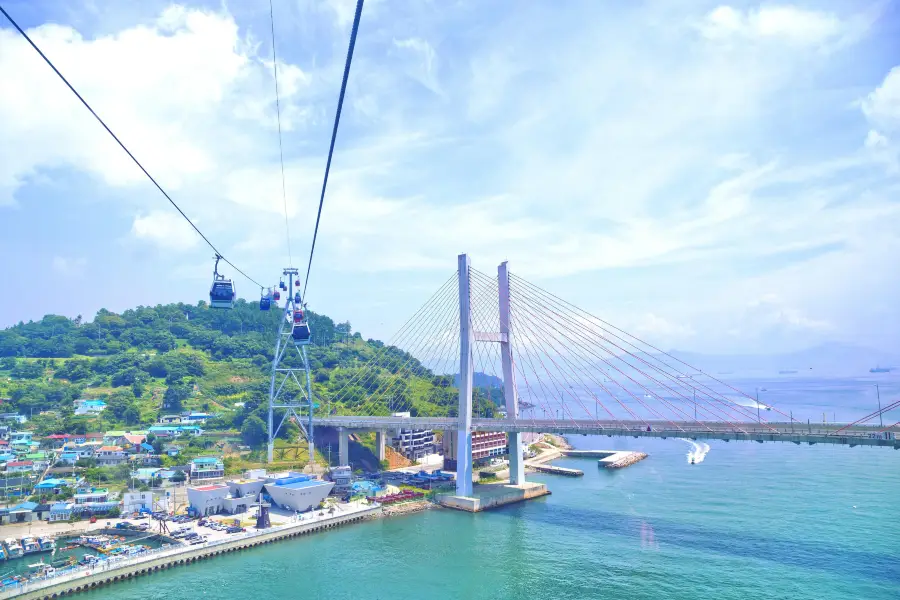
(575, 327)
(337, 120)
(868, 417)
(579, 321)
(287, 229)
(122, 145)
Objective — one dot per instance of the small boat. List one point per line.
(692, 461)
(13, 548)
(30, 545)
(46, 544)
(2, 553)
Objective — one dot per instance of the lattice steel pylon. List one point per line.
(298, 404)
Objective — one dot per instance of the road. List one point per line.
(796, 432)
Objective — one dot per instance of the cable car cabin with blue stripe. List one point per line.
(300, 330)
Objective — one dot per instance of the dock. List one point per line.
(554, 470)
(493, 495)
(609, 459)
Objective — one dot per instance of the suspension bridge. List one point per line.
(555, 368)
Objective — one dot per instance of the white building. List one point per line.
(135, 501)
(413, 443)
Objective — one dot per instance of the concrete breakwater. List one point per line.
(554, 470)
(407, 508)
(114, 571)
(609, 459)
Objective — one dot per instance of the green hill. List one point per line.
(192, 357)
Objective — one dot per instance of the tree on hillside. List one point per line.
(253, 431)
(175, 395)
(131, 416)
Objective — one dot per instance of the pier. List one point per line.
(114, 570)
(554, 470)
(609, 459)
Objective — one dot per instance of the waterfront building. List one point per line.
(23, 512)
(137, 501)
(297, 492)
(206, 467)
(91, 495)
(60, 511)
(413, 443)
(485, 445)
(208, 499)
(342, 478)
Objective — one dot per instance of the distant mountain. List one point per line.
(482, 380)
(827, 359)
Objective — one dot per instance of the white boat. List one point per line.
(13, 548)
(299, 493)
(30, 545)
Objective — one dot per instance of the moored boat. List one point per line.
(30, 545)
(47, 544)
(13, 548)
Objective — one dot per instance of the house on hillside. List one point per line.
(174, 431)
(84, 406)
(205, 468)
(19, 466)
(108, 456)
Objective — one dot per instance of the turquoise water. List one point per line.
(753, 521)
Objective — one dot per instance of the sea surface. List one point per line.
(747, 521)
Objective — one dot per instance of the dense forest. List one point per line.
(156, 360)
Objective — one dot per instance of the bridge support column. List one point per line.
(511, 395)
(466, 373)
(379, 443)
(343, 447)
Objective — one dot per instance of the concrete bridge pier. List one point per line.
(379, 443)
(343, 446)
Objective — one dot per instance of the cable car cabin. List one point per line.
(276, 295)
(297, 283)
(300, 333)
(282, 285)
(265, 303)
(297, 298)
(298, 316)
(222, 294)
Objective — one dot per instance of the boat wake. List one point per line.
(697, 452)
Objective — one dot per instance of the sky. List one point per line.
(714, 177)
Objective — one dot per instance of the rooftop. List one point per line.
(206, 460)
(211, 488)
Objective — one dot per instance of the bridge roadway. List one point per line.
(796, 432)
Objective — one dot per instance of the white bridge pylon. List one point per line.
(467, 336)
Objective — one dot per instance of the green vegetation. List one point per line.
(158, 360)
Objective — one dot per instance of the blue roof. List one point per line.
(146, 446)
(24, 506)
(69, 455)
(206, 460)
(299, 484)
(51, 483)
(93, 403)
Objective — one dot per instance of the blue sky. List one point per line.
(717, 177)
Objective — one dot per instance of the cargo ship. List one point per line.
(880, 370)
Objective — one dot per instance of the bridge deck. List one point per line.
(798, 433)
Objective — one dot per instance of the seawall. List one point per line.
(160, 560)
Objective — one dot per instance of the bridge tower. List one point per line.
(293, 393)
(466, 374)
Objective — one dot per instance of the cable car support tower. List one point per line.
(290, 387)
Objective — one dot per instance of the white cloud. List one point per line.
(882, 105)
(69, 266)
(424, 67)
(168, 230)
(660, 328)
(783, 23)
(181, 92)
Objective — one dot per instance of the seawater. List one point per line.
(751, 521)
